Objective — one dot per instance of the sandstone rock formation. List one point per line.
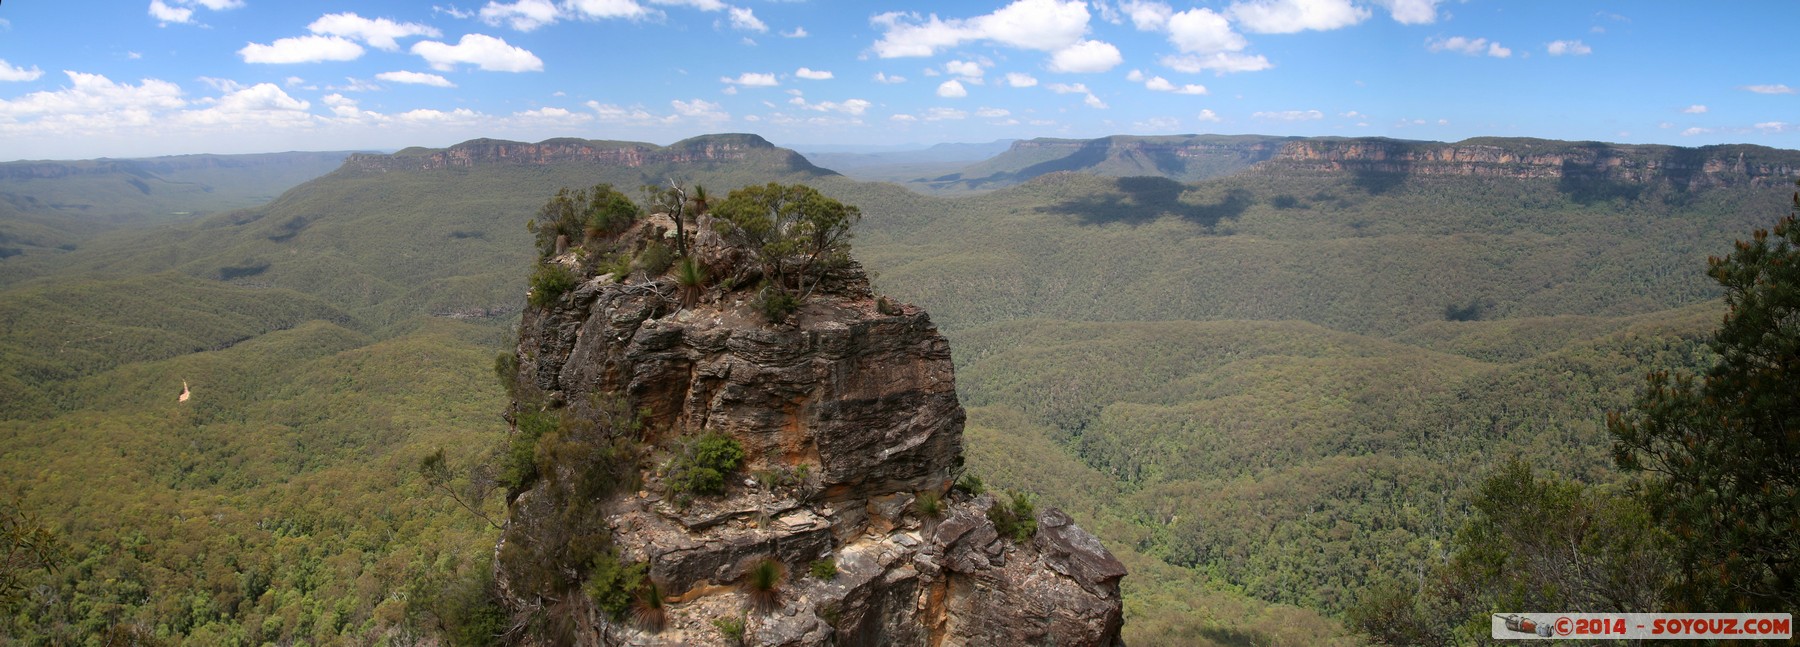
(848, 415)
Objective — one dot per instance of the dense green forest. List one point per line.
(1268, 393)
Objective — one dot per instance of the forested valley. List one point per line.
(1298, 402)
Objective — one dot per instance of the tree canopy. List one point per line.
(1723, 451)
(794, 231)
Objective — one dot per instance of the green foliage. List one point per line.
(763, 584)
(796, 232)
(656, 258)
(26, 548)
(1016, 519)
(461, 606)
(1529, 541)
(614, 586)
(648, 610)
(701, 463)
(971, 485)
(580, 215)
(776, 304)
(549, 282)
(691, 276)
(1719, 453)
(518, 467)
(730, 628)
(506, 371)
(824, 569)
(928, 504)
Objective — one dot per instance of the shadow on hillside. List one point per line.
(1378, 182)
(1590, 182)
(1143, 199)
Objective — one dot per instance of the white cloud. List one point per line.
(1220, 63)
(216, 5)
(1207, 115)
(302, 49)
(743, 18)
(952, 89)
(1159, 124)
(992, 113)
(1160, 84)
(93, 94)
(965, 69)
(853, 107)
(941, 114)
(1467, 46)
(797, 32)
(903, 118)
(379, 33)
(1290, 115)
(1067, 88)
(1135, 76)
(263, 104)
(1094, 102)
(1695, 131)
(1020, 80)
(354, 85)
(526, 15)
(699, 110)
(167, 14)
(293, 81)
(481, 50)
(1203, 31)
(1292, 16)
(416, 78)
(1568, 48)
(1773, 126)
(134, 55)
(1086, 57)
(703, 5)
(607, 9)
(1043, 25)
(1778, 88)
(1411, 12)
(1695, 109)
(812, 74)
(1147, 15)
(551, 116)
(883, 77)
(752, 79)
(10, 73)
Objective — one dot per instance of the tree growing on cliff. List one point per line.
(672, 200)
(1723, 451)
(580, 215)
(795, 233)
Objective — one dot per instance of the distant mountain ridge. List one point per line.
(733, 148)
(1191, 158)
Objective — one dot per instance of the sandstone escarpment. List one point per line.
(848, 416)
(1685, 168)
(486, 152)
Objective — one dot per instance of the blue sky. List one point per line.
(155, 77)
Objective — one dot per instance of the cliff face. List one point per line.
(849, 414)
(479, 152)
(1189, 158)
(1689, 168)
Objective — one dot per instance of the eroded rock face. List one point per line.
(848, 413)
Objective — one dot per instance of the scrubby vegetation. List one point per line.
(1247, 386)
(1016, 519)
(701, 463)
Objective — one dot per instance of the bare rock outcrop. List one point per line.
(848, 416)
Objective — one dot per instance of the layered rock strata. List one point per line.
(847, 410)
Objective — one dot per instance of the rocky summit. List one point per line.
(851, 435)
